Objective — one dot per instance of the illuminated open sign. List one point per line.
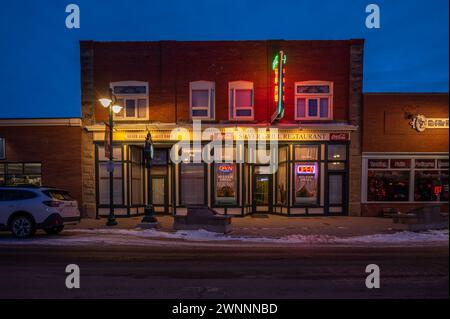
(306, 169)
(225, 168)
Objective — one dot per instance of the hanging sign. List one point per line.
(278, 64)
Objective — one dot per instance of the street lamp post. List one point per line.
(149, 216)
(112, 108)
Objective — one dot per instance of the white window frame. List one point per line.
(134, 97)
(413, 157)
(203, 85)
(314, 96)
(240, 85)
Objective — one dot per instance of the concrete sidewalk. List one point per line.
(274, 226)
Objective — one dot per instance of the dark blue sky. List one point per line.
(39, 57)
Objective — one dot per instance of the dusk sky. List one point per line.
(39, 64)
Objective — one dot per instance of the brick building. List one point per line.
(338, 153)
(42, 152)
(405, 151)
(225, 84)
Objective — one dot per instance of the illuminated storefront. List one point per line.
(311, 178)
(405, 152)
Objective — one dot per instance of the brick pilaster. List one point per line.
(355, 118)
(88, 208)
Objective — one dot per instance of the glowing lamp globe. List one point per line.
(105, 102)
(116, 108)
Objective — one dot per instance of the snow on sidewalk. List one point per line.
(138, 237)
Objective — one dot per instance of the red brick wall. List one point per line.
(169, 66)
(386, 128)
(58, 148)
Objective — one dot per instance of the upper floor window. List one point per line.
(314, 100)
(241, 100)
(133, 97)
(202, 98)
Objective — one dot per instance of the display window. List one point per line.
(388, 186)
(406, 180)
(225, 176)
(306, 183)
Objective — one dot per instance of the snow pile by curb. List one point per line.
(138, 237)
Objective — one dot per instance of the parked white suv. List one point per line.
(23, 209)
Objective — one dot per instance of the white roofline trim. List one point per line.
(41, 122)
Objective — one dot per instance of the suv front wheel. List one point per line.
(22, 226)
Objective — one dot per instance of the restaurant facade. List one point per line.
(304, 95)
(337, 151)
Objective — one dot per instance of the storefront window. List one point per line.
(137, 176)
(103, 185)
(192, 184)
(226, 184)
(306, 183)
(431, 186)
(387, 185)
(103, 176)
(281, 184)
(337, 152)
(2, 174)
(306, 153)
(159, 157)
(21, 173)
(407, 179)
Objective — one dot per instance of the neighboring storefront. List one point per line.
(405, 152)
(42, 152)
(313, 97)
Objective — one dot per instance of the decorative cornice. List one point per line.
(169, 126)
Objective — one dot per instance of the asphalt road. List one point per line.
(223, 272)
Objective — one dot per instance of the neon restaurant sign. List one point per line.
(278, 67)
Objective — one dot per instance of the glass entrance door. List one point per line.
(336, 193)
(262, 194)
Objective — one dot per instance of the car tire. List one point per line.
(54, 230)
(22, 226)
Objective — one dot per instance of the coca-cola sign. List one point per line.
(339, 136)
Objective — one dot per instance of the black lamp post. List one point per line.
(149, 214)
(112, 108)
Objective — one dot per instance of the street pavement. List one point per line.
(223, 272)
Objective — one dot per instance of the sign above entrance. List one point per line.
(419, 122)
(238, 134)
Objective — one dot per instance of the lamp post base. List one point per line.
(149, 215)
(111, 222)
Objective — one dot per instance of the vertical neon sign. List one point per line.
(278, 68)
